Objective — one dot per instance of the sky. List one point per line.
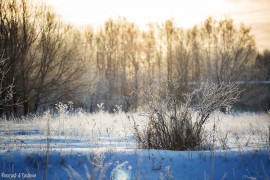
(186, 13)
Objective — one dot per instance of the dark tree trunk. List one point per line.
(25, 108)
(14, 106)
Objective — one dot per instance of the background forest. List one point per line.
(45, 61)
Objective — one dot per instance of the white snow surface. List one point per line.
(102, 146)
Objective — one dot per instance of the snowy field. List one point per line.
(102, 146)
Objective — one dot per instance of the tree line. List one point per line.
(45, 61)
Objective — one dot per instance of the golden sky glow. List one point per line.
(186, 13)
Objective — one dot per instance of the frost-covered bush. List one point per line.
(176, 119)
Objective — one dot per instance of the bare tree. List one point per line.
(149, 51)
(40, 53)
(59, 66)
(118, 61)
(6, 92)
(228, 49)
(17, 36)
(134, 57)
(195, 43)
(170, 32)
(9, 42)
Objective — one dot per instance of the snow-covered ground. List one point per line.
(102, 146)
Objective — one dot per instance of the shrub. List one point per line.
(176, 118)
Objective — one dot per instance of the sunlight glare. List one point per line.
(121, 175)
(185, 13)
